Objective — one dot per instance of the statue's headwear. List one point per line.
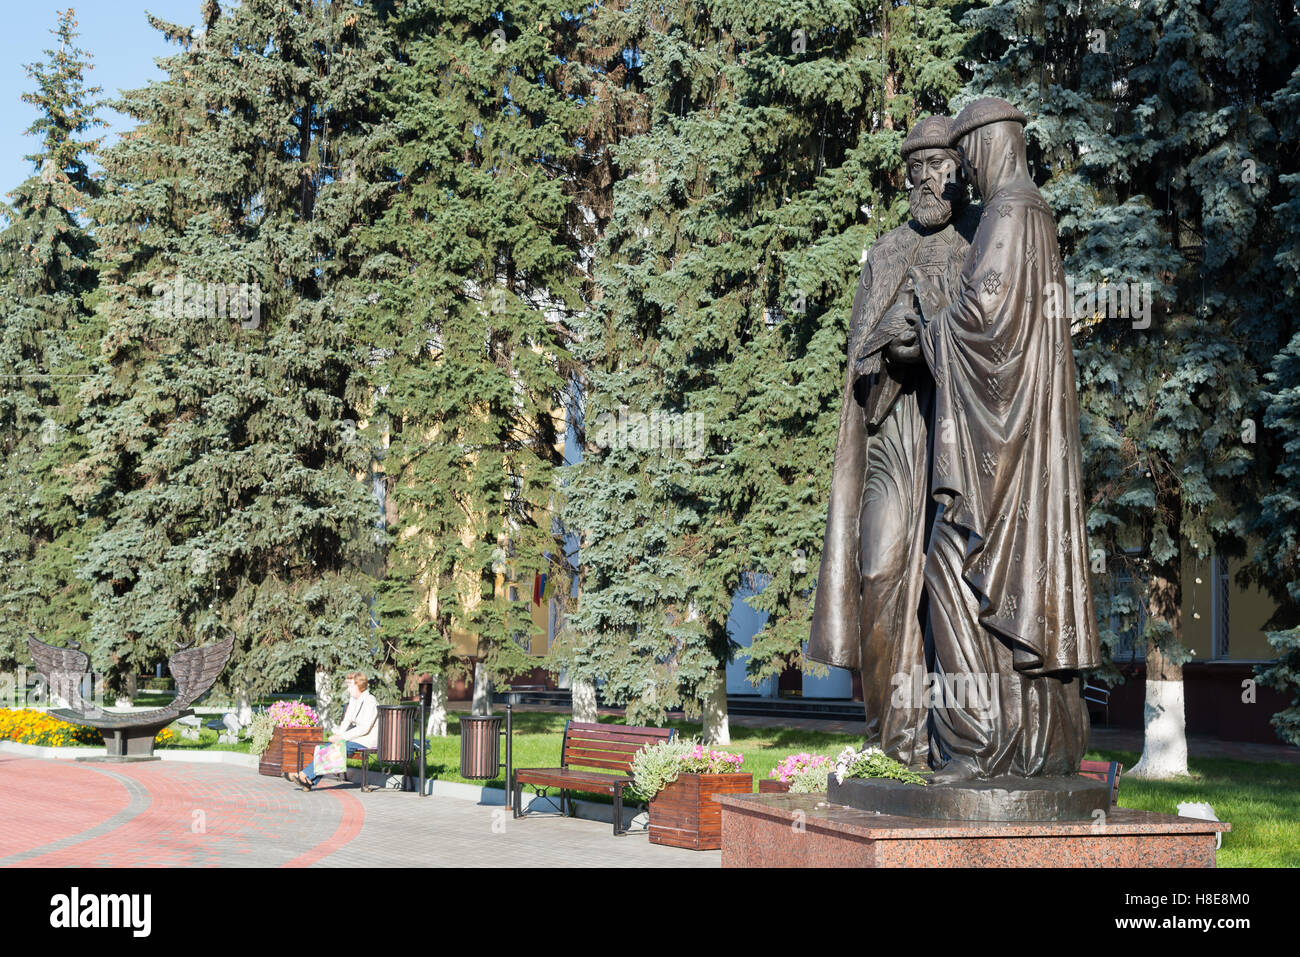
(931, 133)
(981, 112)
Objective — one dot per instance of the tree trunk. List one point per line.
(437, 724)
(1164, 746)
(717, 729)
(243, 706)
(482, 691)
(324, 699)
(584, 701)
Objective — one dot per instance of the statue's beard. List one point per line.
(927, 209)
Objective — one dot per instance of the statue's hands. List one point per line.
(927, 293)
(899, 318)
(900, 323)
(905, 349)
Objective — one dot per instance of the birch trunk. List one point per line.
(584, 701)
(1164, 744)
(324, 699)
(717, 729)
(482, 691)
(243, 706)
(437, 723)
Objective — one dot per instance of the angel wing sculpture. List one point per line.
(196, 669)
(65, 670)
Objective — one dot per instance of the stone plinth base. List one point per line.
(1074, 798)
(120, 758)
(804, 830)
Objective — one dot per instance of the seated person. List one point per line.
(358, 729)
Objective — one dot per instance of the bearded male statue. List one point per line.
(868, 613)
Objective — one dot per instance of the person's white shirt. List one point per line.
(360, 722)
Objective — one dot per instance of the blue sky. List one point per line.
(122, 46)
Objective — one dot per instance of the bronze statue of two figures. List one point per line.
(955, 569)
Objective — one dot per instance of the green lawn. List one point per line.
(207, 741)
(1260, 801)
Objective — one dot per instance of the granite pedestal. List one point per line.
(805, 830)
(1074, 798)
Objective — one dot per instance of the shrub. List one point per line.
(260, 730)
(872, 763)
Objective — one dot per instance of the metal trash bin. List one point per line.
(396, 731)
(480, 746)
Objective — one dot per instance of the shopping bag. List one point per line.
(329, 759)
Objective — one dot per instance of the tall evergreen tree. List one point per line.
(634, 630)
(1279, 515)
(476, 271)
(222, 427)
(47, 279)
(1146, 132)
(829, 183)
(769, 163)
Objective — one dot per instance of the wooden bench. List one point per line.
(609, 747)
(1107, 771)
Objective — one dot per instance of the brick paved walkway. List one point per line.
(170, 814)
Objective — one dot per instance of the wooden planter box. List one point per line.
(281, 754)
(684, 814)
(772, 786)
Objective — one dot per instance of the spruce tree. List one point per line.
(222, 431)
(47, 281)
(1145, 121)
(770, 162)
(1278, 558)
(475, 271)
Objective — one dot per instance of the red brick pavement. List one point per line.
(354, 816)
(165, 814)
(41, 804)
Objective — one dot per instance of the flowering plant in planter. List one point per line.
(275, 733)
(680, 781)
(293, 714)
(805, 773)
(701, 761)
(656, 766)
(872, 763)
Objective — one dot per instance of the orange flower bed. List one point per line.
(26, 726)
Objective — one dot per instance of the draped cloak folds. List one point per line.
(843, 615)
(1007, 461)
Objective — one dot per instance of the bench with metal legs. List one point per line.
(607, 747)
